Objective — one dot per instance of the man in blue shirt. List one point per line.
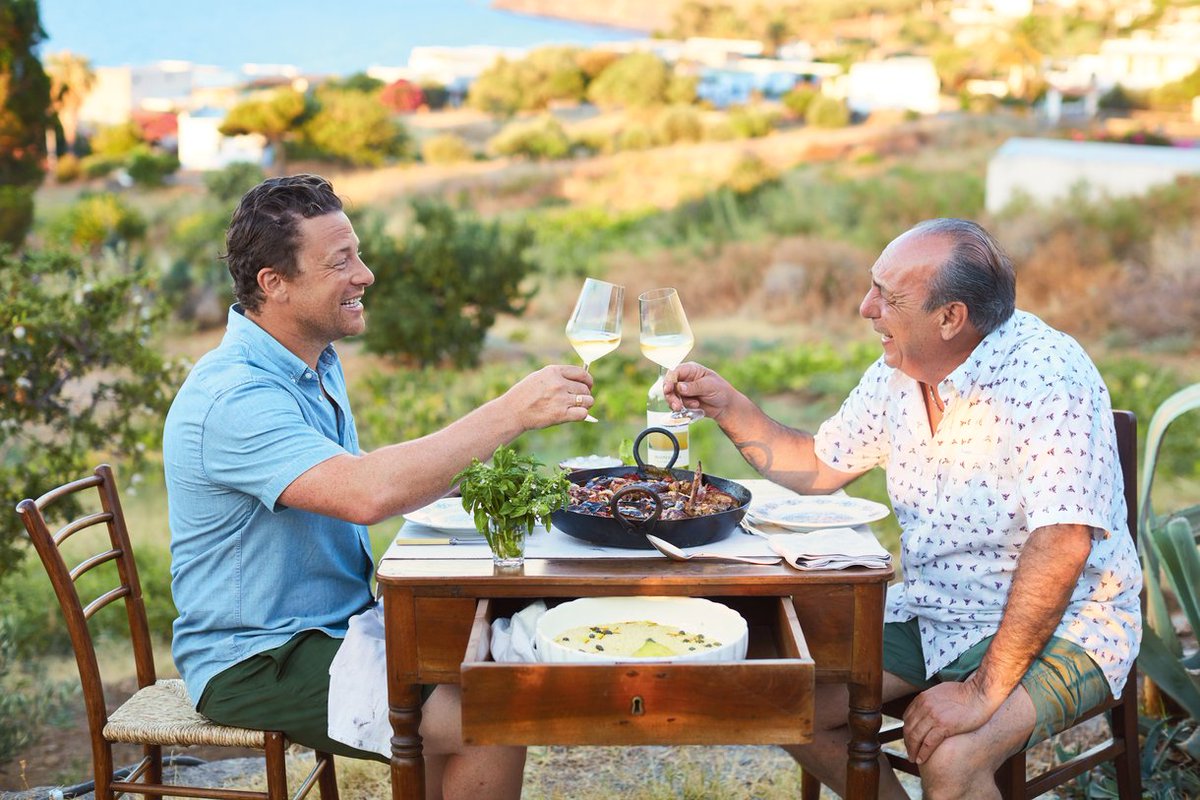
(270, 494)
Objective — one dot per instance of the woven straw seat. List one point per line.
(163, 714)
(160, 713)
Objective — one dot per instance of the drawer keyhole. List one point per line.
(637, 708)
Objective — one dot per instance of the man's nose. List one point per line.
(366, 276)
(867, 307)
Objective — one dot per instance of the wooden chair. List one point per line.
(160, 713)
(1122, 746)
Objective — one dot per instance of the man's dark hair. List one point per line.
(265, 230)
(977, 273)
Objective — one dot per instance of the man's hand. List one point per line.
(694, 386)
(941, 711)
(551, 395)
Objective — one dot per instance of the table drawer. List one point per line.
(767, 698)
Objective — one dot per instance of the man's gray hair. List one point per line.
(977, 273)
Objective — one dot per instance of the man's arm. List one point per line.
(371, 487)
(782, 454)
(1048, 570)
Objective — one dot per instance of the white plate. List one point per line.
(446, 514)
(817, 511)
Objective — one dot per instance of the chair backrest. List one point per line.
(1125, 423)
(34, 514)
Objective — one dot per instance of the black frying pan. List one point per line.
(628, 531)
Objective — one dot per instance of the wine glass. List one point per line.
(594, 329)
(666, 336)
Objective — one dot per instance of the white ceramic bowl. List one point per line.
(693, 614)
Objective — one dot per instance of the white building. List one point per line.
(1048, 170)
(907, 83)
(202, 146)
(163, 86)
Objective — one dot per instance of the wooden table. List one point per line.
(437, 614)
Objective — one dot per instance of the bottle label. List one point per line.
(658, 446)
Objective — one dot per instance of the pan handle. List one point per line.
(637, 453)
(626, 491)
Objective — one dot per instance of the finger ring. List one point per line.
(579, 400)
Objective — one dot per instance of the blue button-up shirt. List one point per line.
(248, 573)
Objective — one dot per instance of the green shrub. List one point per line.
(635, 81)
(595, 141)
(678, 124)
(28, 701)
(80, 378)
(116, 140)
(149, 167)
(67, 168)
(445, 148)
(16, 213)
(751, 123)
(99, 166)
(719, 130)
(229, 184)
(547, 74)
(635, 136)
(439, 291)
(749, 173)
(542, 138)
(99, 220)
(799, 99)
(681, 89)
(826, 112)
(354, 128)
(436, 95)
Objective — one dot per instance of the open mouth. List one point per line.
(352, 305)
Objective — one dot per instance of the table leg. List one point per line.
(866, 694)
(404, 699)
(865, 718)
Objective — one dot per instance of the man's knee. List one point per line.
(960, 767)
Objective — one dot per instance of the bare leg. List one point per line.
(455, 771)
(826, 756)
(963, 766)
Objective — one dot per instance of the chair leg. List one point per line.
(328, 780)
(1124, 727)
(1010, 778)
(154, 773)
(276, 767)
(810, 786)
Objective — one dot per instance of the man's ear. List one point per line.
(272, 284)
(954, 319)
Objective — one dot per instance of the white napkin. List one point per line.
(358, 700)
(830, 548)
(513, 640)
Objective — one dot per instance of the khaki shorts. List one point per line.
(1063, 682)
(285, 689)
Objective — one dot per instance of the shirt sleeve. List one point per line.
(855, 439)
(1066, 456)
(256, 441)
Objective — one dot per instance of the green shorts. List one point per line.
(1063, 681)
(285, 689)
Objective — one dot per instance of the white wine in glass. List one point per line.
(666, 336)
(594, 329)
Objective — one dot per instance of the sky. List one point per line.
(317, 36)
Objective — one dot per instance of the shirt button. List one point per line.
(308, 375)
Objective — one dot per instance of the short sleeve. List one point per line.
(1066, 458)
(855, 439)
(257, 441)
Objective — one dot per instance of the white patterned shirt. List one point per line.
(1026, 441)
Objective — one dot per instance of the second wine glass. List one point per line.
(666, 335)
(594, 329)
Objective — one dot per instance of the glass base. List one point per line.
(508, 548)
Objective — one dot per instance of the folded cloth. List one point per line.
(830, 548)
(358, 700)
(513, 640)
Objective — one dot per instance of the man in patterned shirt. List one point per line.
(1019, 606)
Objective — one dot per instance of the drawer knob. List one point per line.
(637, 707)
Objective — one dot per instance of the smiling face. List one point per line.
(917, 342)
(322, 302)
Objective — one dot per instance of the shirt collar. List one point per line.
(999, 341)
(241, 328)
